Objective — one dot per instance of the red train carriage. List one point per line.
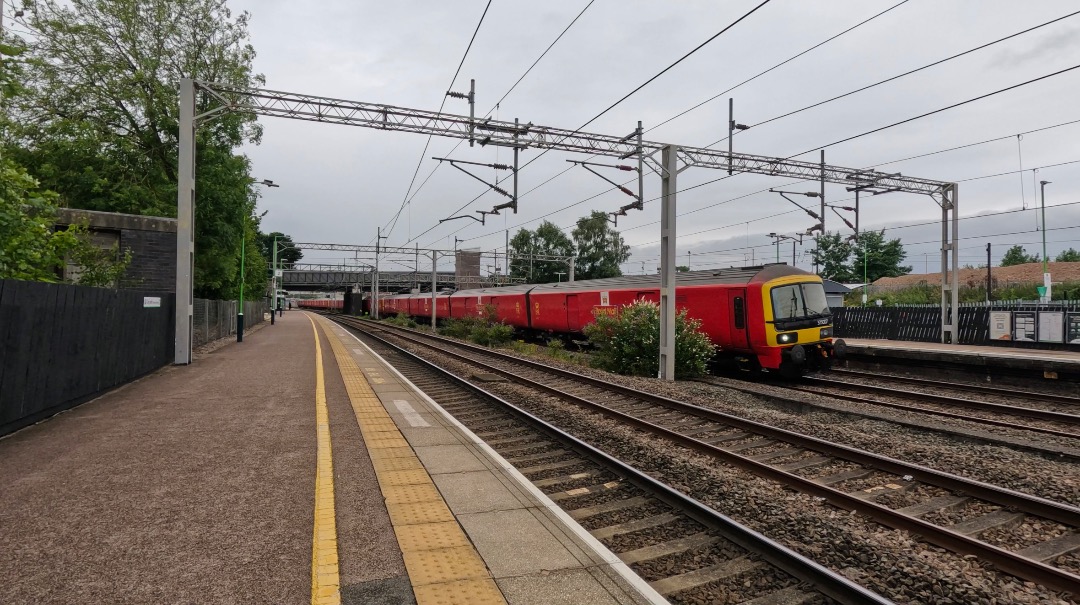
(772, 317)
(321, 303)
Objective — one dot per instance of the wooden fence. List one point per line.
(922, 323)
(61, 345)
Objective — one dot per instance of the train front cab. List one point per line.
(798, 326)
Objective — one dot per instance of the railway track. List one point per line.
(686, 551)
(944, 509)
(1063, 403)
(1050, 422)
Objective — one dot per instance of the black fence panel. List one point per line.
(62, 344)
(922, 323)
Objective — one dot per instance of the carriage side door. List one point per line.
(573, 320)
(737, 314)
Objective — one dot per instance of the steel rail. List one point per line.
(1009, 562)
(975, 388)
(1033, 447)
(1026, 412)
(942, 413)
(825, 580)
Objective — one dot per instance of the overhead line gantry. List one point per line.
(665, 159)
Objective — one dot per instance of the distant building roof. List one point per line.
(832, 287)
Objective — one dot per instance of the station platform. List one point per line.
(1050, 364)
(296, 466)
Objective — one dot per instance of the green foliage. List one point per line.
(883, 257)
(1068, 256)
(402, 320)
(681, 268)
(95, 118)
(556, 349)
(600, 248)
(1018, 256)
(930, 294)
(548, 240)
(483, 329)
(628, 341)
(31, 250)
(832, 255)
(287, 255)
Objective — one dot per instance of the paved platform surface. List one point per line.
(293, 467)
(982, 355)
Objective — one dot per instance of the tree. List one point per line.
(600, 248)
(681, 268)
(1068, 256)
(96, 117)
(831, 256)
(547, 240)
(1017, 256)
(287, 254)
(883, 257)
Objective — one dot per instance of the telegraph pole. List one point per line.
(989, 276)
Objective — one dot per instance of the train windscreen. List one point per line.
(799, 301)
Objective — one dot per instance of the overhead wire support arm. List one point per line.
(471, 98)
(479, 220)
(494, 187)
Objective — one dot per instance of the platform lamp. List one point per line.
(1046, 267)
(243, 259)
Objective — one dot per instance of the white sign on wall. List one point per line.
(151, 302)
(605, 300)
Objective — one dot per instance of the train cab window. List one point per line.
(739, 313)
(798, 301)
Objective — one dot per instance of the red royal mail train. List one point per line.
(773, 317)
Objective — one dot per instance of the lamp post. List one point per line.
(243, 259)
(1045, 298)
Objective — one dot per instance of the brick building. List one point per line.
(151, 239)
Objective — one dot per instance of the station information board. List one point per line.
(1072, 328)
(1051, 326)
(1024, 325)
(1001, 325)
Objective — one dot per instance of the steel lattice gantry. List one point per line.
(673, 159)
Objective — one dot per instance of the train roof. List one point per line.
(733, 275)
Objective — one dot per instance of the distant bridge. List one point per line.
(307, 277)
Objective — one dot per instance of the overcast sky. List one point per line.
(339, 183)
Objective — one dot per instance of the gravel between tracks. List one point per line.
(1001, 465)
(889, 562)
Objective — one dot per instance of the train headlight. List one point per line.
(787, 338)
(826, 332)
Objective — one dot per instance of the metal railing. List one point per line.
(214, 319)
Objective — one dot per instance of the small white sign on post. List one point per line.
(151, 302)
(279, 272)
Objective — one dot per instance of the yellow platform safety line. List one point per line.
(442, 563)
(325, 575)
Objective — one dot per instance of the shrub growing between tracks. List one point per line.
(628, 341)
(483, 329)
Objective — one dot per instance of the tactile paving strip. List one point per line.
(461, 592)
(444, 567)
